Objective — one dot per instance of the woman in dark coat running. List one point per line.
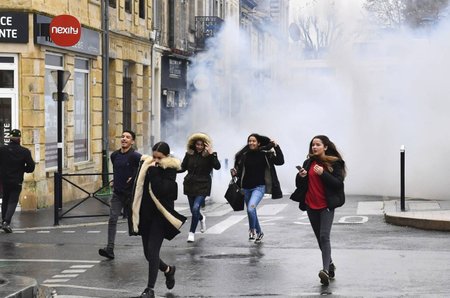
(153, 214)
(255, 168)
(320, 183)
(199, 162)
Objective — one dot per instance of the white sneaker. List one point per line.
(191, 237)
(203, 224)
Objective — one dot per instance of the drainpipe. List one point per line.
(105, 89)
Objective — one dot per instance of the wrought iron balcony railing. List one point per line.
(206, 27)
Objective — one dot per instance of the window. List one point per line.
(191, 16)
(157, 8)
(142, 9)
(128, 4)
(112, 3)
(6, 78)
(81, 110)
(52, 62)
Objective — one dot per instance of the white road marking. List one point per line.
(225, 224)
(56, 280)
(370, 208)
(18, 232)
(85, 288)
(271, 209)
(122, 232)
(269, 221)
(49, 260)
(73, 271)
(43, 232)
(222, 210)
(93, 232)
(179, 209)
(353, 219)
(64, 275)
(81, 266)
(68, 232)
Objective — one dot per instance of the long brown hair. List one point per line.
(331, 154)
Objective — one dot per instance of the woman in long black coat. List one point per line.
(153, 213)
(199, 162)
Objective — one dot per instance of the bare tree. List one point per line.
(414, 13)
(318, 32)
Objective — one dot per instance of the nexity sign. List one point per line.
(65, 30)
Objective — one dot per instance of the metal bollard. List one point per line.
(402, 177)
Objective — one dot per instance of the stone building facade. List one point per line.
(28, 59)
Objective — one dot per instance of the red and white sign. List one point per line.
(65, 30)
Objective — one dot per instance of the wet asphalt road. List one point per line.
(373, 259)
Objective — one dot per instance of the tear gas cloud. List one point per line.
(370, 95)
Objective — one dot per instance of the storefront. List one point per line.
(13, 31)
(28, 61)
(174, 97)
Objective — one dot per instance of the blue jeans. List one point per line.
(252, 198)
(195, 202)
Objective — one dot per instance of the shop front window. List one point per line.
(81, 110)
(52, 62)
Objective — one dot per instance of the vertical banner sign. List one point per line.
(65, 30)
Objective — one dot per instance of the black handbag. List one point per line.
(234, 196)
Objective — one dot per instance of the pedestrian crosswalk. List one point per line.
(68, 274)
(269, 214)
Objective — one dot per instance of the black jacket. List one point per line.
(270, 176)
(199, 166)
(154, 193)
(15, 160)
(332, 181)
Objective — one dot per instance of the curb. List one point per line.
(431, 220)
(13, 286)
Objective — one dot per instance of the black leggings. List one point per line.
(152, 234)
(321, 222)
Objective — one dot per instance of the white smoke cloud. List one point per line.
(368, 95)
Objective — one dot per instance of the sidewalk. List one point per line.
(419, 213)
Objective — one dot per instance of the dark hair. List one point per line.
(162, 147)
(331, 154)
(133, 135)
(264, 144)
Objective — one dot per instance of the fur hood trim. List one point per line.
(165, 163)
(146, 160)
(190, 146)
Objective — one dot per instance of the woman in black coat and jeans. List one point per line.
(153, 214)
(320, 183)
(199, 162)
(255, 168)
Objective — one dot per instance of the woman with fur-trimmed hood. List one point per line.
(254, 166)
(199, 162)
(153, 214)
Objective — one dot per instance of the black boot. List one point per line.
(148, 293)
(170, 277)
(107, 253)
